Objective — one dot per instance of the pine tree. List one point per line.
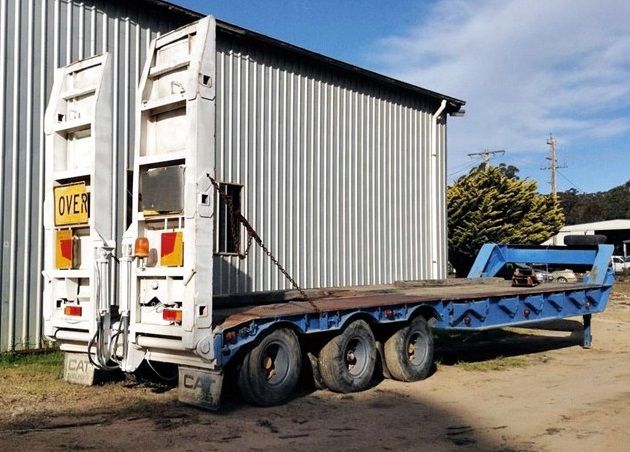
(489, 205)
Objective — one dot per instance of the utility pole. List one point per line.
(553, 166)
(486, 154)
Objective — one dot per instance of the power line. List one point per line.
(460, 166)
(485, 156)
(465, 168)
(571, 182)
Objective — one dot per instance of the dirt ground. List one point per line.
(528, 389)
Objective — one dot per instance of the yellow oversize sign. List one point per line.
(72, 204)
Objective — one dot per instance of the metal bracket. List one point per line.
(535, 302)
(509, 305)
(200, 387)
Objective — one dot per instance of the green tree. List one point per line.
(490, 204)
(591, 207)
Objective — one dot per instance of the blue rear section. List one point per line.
(492, 258)
(477, 312)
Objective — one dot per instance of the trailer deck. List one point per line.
(365, 297)
(470, 305)
(479, 302)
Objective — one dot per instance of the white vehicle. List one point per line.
(563, 276)
(619, 264)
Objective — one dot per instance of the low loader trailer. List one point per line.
(113, 303)
(345, 332)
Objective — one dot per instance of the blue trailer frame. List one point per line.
(471, 312)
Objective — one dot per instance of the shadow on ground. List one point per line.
(377, 419)
(471, 347)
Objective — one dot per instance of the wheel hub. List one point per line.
(269, 367)
(351, 359)
(355, 356)
(274, 363)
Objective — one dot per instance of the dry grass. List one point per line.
(33, 385)
(622, 288)
(503, 363)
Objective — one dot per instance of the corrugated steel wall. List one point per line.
(335, 173)
(37, 36)
(335, 170)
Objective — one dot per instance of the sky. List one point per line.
(525, 68)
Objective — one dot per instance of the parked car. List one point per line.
(564, 276)
(542, 276)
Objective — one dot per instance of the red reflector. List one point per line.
(389, 313)
(172, 315)
(66, 248)
(168, 242)
(72, 310)
(230, 336)
(172, 249)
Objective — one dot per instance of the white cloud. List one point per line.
(525, 68)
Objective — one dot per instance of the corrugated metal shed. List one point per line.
(373, 110)
(38, 36)
(335, 168)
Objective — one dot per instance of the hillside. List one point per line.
(589, 207)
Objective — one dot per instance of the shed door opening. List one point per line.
(228, 226)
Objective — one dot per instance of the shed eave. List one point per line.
(454, 105)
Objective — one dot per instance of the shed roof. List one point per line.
(453, 104)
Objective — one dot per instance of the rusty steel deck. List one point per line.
(358, 297)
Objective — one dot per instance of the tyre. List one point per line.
(409, 351)
(347, 361)
(584, 240)
(561, 279)
(270, 371)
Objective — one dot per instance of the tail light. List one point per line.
(230, 336)
(74, 311)
(172, 315)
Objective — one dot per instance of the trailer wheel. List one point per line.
(347, 361)
(270, 371)
(409, 351)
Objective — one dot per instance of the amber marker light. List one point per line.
(73, 311)
(141, 248)
(172, 315)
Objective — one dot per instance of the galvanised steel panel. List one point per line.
(336, 172)
(38, 36)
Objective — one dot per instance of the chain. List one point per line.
(252, 236)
